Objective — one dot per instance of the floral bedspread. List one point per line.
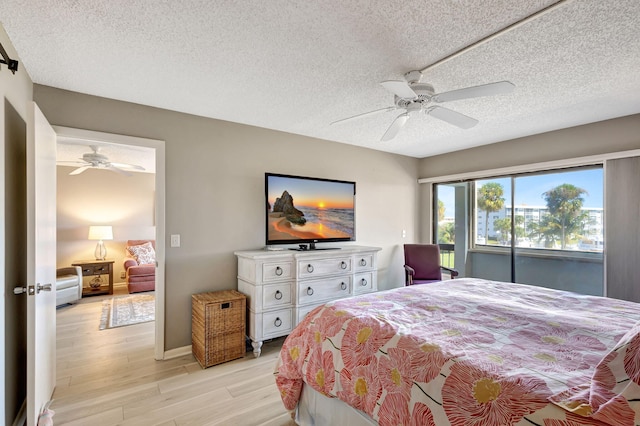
(471, 352)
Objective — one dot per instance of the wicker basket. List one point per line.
(218, 326)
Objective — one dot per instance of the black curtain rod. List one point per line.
(12, 64)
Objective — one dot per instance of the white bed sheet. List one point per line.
(315, 409)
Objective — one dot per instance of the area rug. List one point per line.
(127, 310)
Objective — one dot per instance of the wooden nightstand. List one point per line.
(95, 269)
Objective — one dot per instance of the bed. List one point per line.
(465, 352)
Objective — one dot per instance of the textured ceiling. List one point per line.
(298, 66)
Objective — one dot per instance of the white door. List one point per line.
(41, 263)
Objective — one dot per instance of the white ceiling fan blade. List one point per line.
(400, 89)
(79, 170)
(395, 127)
(498, 88)
(71, 163)
(452, 117)
(128, 166)
(364, 115)
(118, 170)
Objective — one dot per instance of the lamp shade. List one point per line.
(100, 233)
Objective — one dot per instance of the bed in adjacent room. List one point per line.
(465, 352)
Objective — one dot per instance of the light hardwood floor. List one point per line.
(109, 377)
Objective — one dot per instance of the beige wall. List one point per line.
(102, 197)
(620, 134)
(215, 190)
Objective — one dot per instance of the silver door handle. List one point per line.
(46, 287)
(30, 290)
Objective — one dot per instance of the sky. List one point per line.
(312, 193)
(529, 188)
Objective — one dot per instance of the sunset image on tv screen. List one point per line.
(307, 209)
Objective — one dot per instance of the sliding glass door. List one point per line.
(543, 228)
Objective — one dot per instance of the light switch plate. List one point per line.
(175, 240)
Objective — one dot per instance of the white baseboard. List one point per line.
(177, 352)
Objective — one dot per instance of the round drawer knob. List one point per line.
(363, 262)
(279, 271)
(343, 286)
(363, 282)
(343, 265)
(277, 322)
(278, 295)
(309, 268)
(310, 291)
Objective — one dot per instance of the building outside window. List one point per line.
(544, 228)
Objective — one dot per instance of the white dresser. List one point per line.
(283, 286)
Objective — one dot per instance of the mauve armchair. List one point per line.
(422, 264)
(139, 277)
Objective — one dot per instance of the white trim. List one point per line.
(160, 185)
(604, 229)
(178, 352)
(547, 165)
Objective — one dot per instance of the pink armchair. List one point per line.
(139, 277)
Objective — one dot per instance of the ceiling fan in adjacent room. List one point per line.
(96, 160)
(412, 96)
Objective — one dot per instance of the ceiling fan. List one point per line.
(413, 97)
(96, 160)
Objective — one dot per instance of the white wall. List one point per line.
(215, 190)
(102, 197)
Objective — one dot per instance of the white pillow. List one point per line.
(144, 254)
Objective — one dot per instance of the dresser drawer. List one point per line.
(88, 270)
(364, 283)
(277, 271)
(319, 267)
(316, 291)
(303, 311)
(274, 295)
(363, 262)
(277, 323)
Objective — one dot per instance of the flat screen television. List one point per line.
(305, 210)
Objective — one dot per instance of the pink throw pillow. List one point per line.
(144, 254)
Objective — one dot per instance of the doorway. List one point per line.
(86, 139)
(15, 308)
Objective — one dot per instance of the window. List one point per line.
(543, 228)
(560, 210)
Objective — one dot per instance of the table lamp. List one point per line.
(100, 233)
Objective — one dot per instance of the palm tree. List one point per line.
(441, 210)
(447, 234)
(546, 230)
(565, 210)
(504, 226)
(490, 200)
